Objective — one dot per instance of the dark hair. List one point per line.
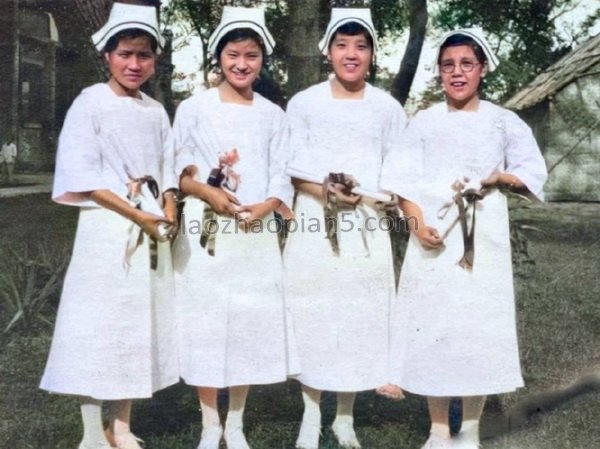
(129, 33)
(240, 34)
(352, 29)
(460, 39)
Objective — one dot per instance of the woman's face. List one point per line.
(131, 64)
(350, 57)
(461, 74)
(241, 62)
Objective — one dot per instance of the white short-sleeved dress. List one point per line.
(115, 334)
(340, 304)
(231, 307)
(460, 336)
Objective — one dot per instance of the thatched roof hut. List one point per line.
(562, 105)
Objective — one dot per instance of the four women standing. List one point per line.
(453, 331)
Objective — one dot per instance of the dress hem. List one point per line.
(212, 384)
(490, 390)
(107, 397)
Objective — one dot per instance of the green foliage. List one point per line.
(31, 418)
(433, 94)
(588, 23)
(27, 283)
(519, 241)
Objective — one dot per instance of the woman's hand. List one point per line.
(222, 202)
(247, 215)
(341, 185)
(153, 225)
(429, 237)
(344, 200)
(498, 178)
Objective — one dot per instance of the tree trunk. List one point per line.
(304, 59)
(91, 15)
(408, 67)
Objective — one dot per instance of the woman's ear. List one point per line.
(484, 70)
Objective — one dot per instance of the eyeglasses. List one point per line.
(465, 66)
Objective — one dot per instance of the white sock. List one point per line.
(93, 430)
(440, 430)
(310, 429)
(210, 415)
(312, 406)
(470, 430)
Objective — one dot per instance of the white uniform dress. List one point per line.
(461, 335)
(231, 307)
(115, 334)
(340, 304)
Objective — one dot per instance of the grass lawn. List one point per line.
(559, 328)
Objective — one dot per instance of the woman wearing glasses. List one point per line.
(456, 288)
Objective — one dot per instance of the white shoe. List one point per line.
(343, 429)
(437, 442)
(462, 442)
(235, 438)
(83, 445)
(308, 436)
(210, 437)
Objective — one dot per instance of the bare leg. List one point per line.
(439, 409)
(234, 426)
(472, 410)
(211, 424)
(343, 425)
(310, 429)
(10, 168)
(119, 432)
(93, 430)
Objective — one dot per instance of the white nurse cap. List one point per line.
(342, 16)
(478, 36)
(237, 17)
(125, 16)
